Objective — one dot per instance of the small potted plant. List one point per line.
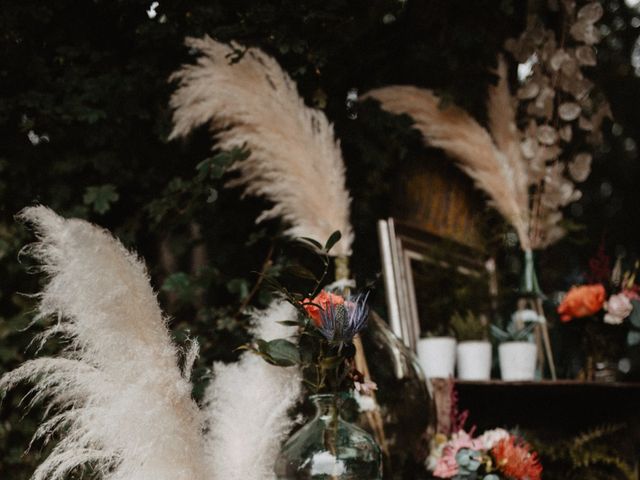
(437, 353)
(516, 352)
(474, 349)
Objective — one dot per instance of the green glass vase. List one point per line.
(328, 447)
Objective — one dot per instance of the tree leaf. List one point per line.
(100, 197)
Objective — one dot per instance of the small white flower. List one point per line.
(325, 463)
(491, 437)
(365, 402)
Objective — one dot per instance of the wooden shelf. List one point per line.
(565, 405)
(549, 384)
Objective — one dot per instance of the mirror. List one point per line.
(429, 278)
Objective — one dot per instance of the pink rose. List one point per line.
(618, 308)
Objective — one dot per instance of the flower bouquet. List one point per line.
(607, 308)
(327, 323)
(494, 455)
(323, 350)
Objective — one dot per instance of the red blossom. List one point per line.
(322, 301)
(582, 301)
(516, 460)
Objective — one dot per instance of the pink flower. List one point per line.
(618, 308)
(631, 293)
(366, 388)
(447, 466)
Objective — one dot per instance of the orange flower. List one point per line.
(582, 302)
(516, 460)
(322, 301)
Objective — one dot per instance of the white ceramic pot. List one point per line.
(474, 360)
(517, 360)
(437, 356)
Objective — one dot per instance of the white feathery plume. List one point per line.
(500, 174)
(116, 395)
(247, 404)
(294, 161)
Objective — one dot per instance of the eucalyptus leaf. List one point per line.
(634, 317)
(633, 338)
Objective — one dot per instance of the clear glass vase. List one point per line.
(328, 447)
(403, 399)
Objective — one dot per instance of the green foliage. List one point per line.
(512, 333)
(280, 352)
(100, 198)
(469, 327)
(601, 453)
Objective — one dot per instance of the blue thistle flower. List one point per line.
(340, 323)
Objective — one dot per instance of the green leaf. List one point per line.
(306, 241)
(300, 272)
(100, 197)
(180, 283)
(290, 323)
(332, 240)
(239, 286)
(281, 352)
(329, 363)
(262, 345)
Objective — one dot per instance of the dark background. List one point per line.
(92, 75)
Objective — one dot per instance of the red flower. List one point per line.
(322, 301)
(516, 460)
(582, 302)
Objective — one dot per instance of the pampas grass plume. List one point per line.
(247, 406)
(117, 398)
(294, 161)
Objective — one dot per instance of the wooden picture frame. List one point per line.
(401, 245)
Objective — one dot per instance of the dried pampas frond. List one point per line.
(294, 161)
(119, 400)
(247, 406)
(499, 175)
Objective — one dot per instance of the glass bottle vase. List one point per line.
(329, 448)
